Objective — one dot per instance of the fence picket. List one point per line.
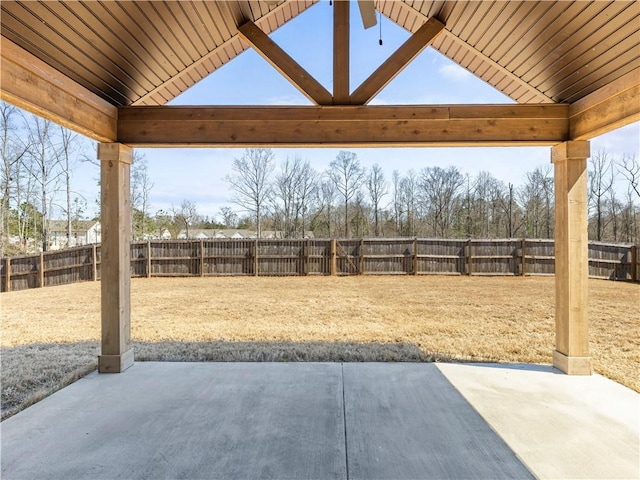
(377, 256)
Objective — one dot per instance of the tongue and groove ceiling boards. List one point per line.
(87, 63)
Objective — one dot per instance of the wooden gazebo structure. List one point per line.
(107, 69)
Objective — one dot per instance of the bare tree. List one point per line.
(141, 186)
(12, 152)
(250, 182)
(600, 182)
(397, 201)
(186, 215)
(293, 190)
(44, 167)
(630, 168)
(439, 189)
(409, 197)
(377, 188)
(229, 217)
(348, 176)
(536, 197)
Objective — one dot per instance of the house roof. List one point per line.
(105, 69)
(77, 226)
(148, 52)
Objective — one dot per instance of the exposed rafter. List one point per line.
(287, 66)
(397, 62)
(434, 125)
(234, 44)
(32, 85)
(341, 53)
(611, 107)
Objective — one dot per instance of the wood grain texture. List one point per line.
(571, 254)
(341, 52)
(451, 125)
(611, 107)
(115, 162)
(283, 63)
(32, 85)
(397, 62)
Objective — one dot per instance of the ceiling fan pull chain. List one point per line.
(380, 23)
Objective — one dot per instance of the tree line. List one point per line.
(348, 200)
(290, 196)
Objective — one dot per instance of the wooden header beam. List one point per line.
(363, 126)
(287, 66)
(341, 52)
(611, 107)
(29, 83)
(397, 62)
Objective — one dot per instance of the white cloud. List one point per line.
(454, 72)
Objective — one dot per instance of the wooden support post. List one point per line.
(7, 275)
(571, 354)
(634, 263)
(201, 258)
(41, 270)
(94, 262)
(148, 258)
(415, 256)
(115, 162)
(333, 269)
(469, 258)
(255, 258)
(524, 257)
(361, 259)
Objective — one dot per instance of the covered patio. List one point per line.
(107, 70)
(328, 420)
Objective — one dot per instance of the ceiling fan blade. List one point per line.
(368, 12)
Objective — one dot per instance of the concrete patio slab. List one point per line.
(561, 426)
(326, 420)
(406, 421)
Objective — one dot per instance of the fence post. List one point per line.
(148, 258)
(415, 255)
(333, 267)
(307, 261)
(201, 257)
(634, 263)
(255, 257)
(94, 262)
(524, 257)
(361, 259)
(41, 271)
(469, 258)
(8, 275)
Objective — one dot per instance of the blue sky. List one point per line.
(197, 174)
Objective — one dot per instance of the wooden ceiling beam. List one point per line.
(397, 62)
(341, 52)
(613, 106)
(347, 126)
(29, 83)
(283, 63)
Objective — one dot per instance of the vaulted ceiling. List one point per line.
(145, 53)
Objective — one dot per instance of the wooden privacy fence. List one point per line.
(372, 256)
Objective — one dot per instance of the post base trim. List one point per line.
(572, 365)
(115, 363)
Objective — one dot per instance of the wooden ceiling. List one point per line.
(145, 53)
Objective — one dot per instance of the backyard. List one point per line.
(50, 336)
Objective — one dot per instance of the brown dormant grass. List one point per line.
(50, 336)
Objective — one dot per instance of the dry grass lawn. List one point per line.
(50, 336)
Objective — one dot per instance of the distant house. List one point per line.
(203, 234)
(83, 232)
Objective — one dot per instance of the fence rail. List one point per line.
(366, 256)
